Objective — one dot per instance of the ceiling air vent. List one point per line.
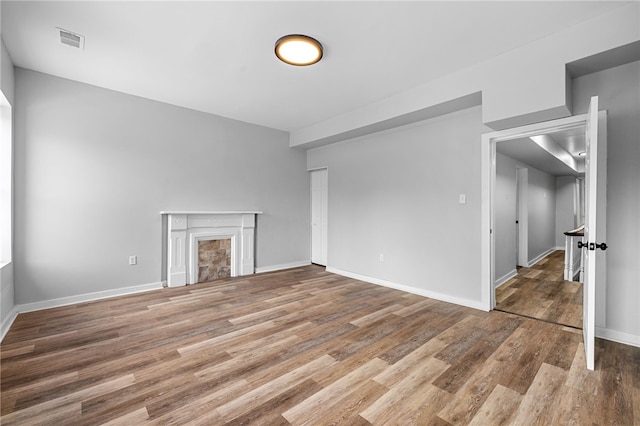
(71, 39)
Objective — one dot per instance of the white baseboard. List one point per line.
(505, 278)
(63, 301)
(540, 257)
(8, 321)
(87, 297)
(282, 266)
(618, 336)
(409, 289)
(603, 333)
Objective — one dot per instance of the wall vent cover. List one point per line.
(71, 39)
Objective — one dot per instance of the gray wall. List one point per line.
(87, 157)
(396, 193)
(94, 168)
(505, 216)
(541, 207)
(619, 92)
(565, 213)
(7, 299)
(6, 73)
(542, 212)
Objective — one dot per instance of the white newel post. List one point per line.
(185, 229)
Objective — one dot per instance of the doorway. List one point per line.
(594, 126)
(534, 205)
(524, 178)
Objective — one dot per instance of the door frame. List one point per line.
(488, 182)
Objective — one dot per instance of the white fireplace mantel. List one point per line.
(184, 229)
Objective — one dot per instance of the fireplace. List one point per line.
(187, 232)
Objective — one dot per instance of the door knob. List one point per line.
(592, 246)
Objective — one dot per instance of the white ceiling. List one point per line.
(217, 57)
(527, 151)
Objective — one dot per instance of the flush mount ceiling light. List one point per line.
(299, 50)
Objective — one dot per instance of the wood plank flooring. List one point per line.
(541, 292)
(304, 347)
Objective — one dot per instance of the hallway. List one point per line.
(541, 292)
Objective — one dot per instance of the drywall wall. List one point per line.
(6, 73)
(541, 207)
(7, 290)
(7, 298)
(506, 101)
(545, 207)
(94, 168)
(619, 92)
(505, 217)
(565, 209)
(396, 194)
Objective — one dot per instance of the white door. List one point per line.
(595, 226)
(319, 195)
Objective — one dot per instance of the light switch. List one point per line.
(462, 199)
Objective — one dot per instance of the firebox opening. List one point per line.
(214, 259)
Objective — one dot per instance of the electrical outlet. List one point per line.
(133, 260)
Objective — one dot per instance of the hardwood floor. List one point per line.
(541, 292)
(305, 347)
